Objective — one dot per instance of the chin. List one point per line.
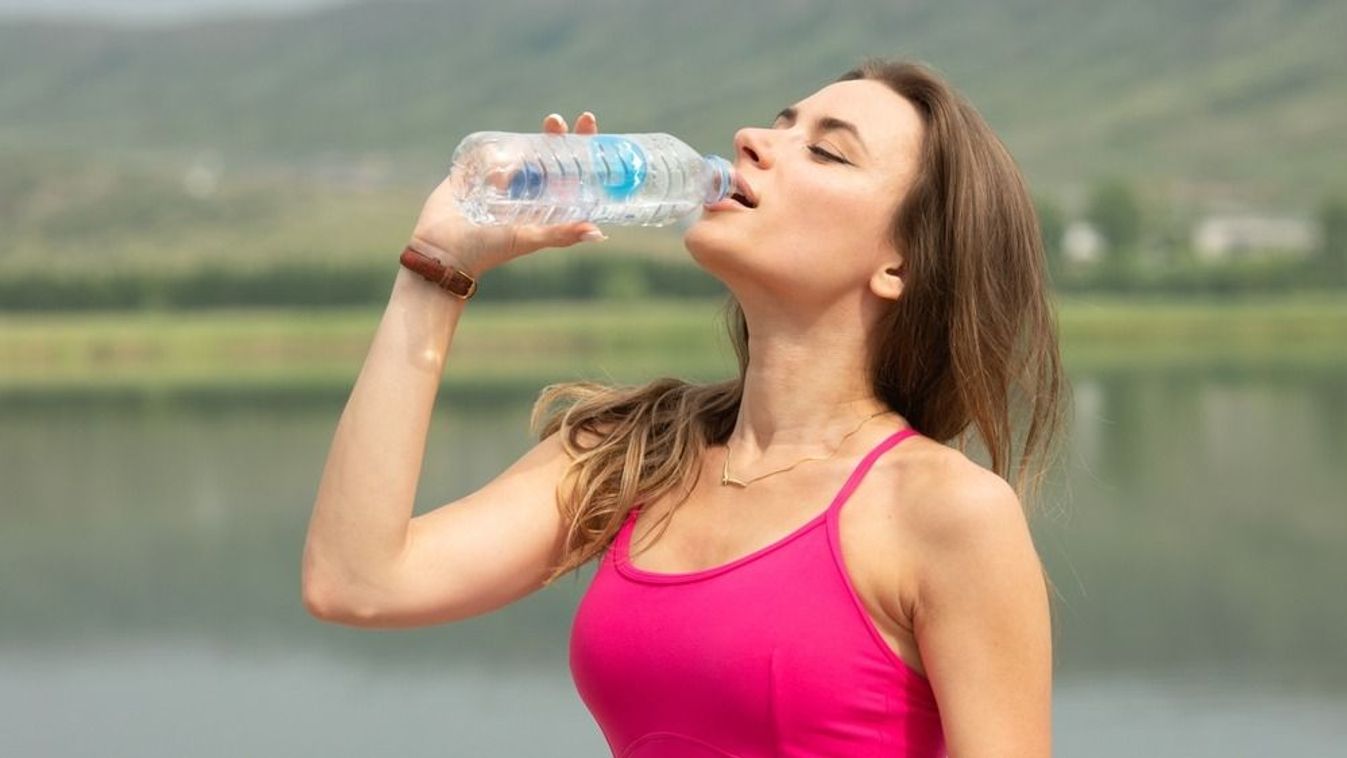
(725, 255)
(704, 242)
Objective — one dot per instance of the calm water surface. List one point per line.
(149, 598)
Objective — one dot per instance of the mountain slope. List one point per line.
(1198, 99)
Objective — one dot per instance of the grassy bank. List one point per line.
(512, 347)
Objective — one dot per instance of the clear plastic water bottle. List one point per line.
(625, 179)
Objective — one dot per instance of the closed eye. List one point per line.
(827, 155)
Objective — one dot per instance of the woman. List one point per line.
(888, 297)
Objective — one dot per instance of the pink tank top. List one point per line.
(771, 654)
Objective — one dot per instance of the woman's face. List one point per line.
(821, 226)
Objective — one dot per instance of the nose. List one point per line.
(750, 142)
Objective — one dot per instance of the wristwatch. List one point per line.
(452, 280)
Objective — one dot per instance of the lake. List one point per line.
(150, 600)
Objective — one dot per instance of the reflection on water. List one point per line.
(149, 603)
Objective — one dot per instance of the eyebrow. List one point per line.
(824, 124)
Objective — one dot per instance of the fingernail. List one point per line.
(593, 235)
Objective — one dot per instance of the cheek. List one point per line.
(826, 222)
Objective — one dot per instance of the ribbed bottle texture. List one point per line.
(625, 179)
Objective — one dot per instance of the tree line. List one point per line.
(1141, 253)
(1136, 258)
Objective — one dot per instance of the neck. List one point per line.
(801, 399)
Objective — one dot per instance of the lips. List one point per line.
(741, 198)
(743, 192)
(726, 204)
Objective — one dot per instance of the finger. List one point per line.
(587, 123)
(554, 124)
(537, 236)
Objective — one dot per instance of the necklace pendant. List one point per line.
(726, 479)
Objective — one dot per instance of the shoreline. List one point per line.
(502, 349)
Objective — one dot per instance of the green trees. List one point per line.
(1051, 225)
(1333, 239)
(1115, 213)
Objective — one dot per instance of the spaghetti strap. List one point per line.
(853, 481)
(863, 467)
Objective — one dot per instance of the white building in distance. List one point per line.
(1248, 235)
(1081, 242)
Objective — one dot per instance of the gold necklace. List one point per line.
(726, 479)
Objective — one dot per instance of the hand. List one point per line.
(443, 231)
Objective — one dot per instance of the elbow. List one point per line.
(325, 603)
(315, 595)
(324, 597)
(319, 602)
(332, 594)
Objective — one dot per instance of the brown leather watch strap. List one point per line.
(452, 280)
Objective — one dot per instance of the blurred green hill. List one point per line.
(319, 134)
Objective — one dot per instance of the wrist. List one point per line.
(438, 269)
(441, 255)
(408, 284)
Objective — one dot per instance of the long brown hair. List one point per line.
(970, 342)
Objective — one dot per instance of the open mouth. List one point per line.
(743, 200)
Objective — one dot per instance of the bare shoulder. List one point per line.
(925, 501)
(979, 591)
(943, 495)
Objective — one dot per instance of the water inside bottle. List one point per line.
(606, 178)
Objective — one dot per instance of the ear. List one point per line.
(887, 280)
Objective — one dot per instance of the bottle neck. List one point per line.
(722, 179)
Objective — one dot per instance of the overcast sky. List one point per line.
(154, 10)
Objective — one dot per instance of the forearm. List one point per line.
(367, 491)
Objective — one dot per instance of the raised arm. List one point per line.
(365, 559)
